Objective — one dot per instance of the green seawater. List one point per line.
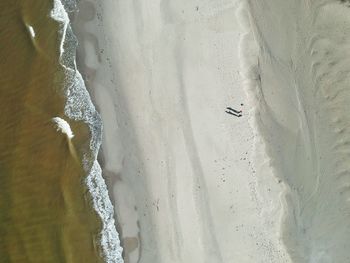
(45, 213)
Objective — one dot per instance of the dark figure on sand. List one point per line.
(233, 112)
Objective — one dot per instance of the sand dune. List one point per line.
(303, 76)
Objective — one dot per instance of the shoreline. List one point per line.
(175, 131)
(48, 146)
(79, 107)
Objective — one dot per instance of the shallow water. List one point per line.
(45, 212)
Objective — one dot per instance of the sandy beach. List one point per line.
(191, 183)
(180, 170)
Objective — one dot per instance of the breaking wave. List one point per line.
(79, 107)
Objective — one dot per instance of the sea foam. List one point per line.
(79, 107)
(31, 31)
(63, 126)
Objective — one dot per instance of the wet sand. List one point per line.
(45, 212)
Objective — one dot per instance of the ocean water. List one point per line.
(54, 206)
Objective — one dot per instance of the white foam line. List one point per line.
(59, 14)
(79, 107)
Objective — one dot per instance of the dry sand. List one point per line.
(191, 183)
(303, 91)
(179, 168)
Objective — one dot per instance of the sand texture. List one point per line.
(302, 96)
(191, 183)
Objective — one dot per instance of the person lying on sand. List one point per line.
(234, 112)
